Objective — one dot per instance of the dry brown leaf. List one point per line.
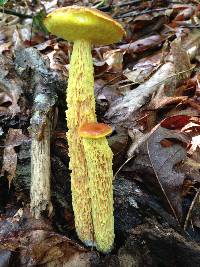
(185, 14)
(181, 59)
(14, 138)
(5, 47)
(114, 59)
(37, 243)
(142, 70)
(58, 61)
(140, 46)
(9, 163)
(161, 100)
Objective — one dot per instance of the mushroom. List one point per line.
(99, 162)
(83, 26)
(94, 130)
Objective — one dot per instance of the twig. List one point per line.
(148, 11)
(191, 208)
(12, 12)
(41, 172)
(129, 3)
(133, 2)
(191, 26)
(128, 12)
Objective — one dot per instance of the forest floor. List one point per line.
(147, 89)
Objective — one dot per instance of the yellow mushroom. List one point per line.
(84, 27)
(99, 162)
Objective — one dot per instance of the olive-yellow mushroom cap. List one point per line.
(76, 23)
(94, 130)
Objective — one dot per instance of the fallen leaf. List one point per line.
(160, 100)
(37, 243)
(105, 93)
(58, 61)
(164, 160)
(5, 47)
(175, 122)
(143, 69)
(194, 103)
(192, 127)
(14, 138)
(195, 143)
(124, 108)
(185, 14)
(142, 45)
(114, 59)
(183, 66)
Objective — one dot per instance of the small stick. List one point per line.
(134, 13)
(190, 209)
(14, 13)
(133, 2)
(41, 171)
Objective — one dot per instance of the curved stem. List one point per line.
(81, 109)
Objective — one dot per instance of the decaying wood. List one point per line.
(169, 248)
(41, 172)
(44, 99)
(139, 217)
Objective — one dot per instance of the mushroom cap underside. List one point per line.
(76, 23)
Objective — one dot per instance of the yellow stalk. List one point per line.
(99, 161)
(81, 109)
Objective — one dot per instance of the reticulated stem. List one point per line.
(81, 109)
(99, 161)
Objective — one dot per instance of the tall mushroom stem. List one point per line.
(81, 109)
(99, 161)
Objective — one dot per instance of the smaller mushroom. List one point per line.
(99, 163)
(94, 130)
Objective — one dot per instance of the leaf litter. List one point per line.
(146, 87)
